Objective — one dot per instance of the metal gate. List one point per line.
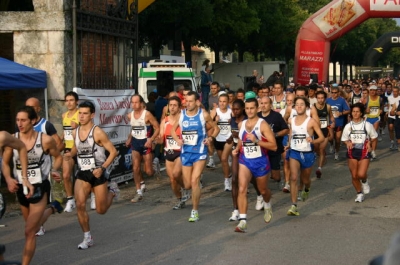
(105, 40)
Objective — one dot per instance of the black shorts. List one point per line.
(358, 154)
(337, 129)
(325, 132)
(42, 189)
(275, 161)
(138, 146)
(88, 176)
(171, 155)
(219, 145)
(391, 120)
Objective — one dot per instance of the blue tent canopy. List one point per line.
(17, 76)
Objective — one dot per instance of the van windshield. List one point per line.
(152, 84)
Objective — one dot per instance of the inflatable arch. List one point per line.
(329, 23)
(380, 47)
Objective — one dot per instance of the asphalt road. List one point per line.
(332, 228)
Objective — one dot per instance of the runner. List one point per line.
(395, 111)
(279, 98)
(141, 140)
(172, 152)
(255, 138)
(90, 145)
(222, 115)
(70, 121)
(326, 119)
(358, 136)
(40, 149)
(373, 110)
(193, 121)
(301, 155)
(356, 95)
(393, 99)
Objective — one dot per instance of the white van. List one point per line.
(147, 81)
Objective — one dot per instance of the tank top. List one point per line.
(140, 130)
(170, 143)
(358, 135)
(323, 116)
(193, 130)
(90, 155)
(293, 113)
(40, 126)
(249, 149)
(68, 138)
(224, 125)
(39, 163)
(374, 106)
(235, 128)
(278, 106)
(298, 140)
(355, 98)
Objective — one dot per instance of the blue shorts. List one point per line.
(188, 159)
(373, 120)
(306, 159)
(258, 167)
(138, 146)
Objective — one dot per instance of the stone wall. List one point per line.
(43, 39)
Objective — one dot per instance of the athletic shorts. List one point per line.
(391, 120)
(285, 140)
(219, 145)
(325, 132)
(43, 188)
(258, 167)
(138, 146)
(275, 161)
(397, 129)
(306, 159)
(358, 154)
(171, 155)
(337, 129)
(88, 176)
(188, 159)
(373, 120)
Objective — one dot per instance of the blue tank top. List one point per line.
(193, 132)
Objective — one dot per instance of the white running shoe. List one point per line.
(228, 184)
(156, 166)
(235, 216)
(86, 243)
(114, 189)
(211, 163)
(331, 149)
(92, 201)
(359, 198)
(260, 203)
(70, 205)
(379, 138)
(392, 145)
(41, 231)
(373, 155)
(286, 188)
(185, 195)
(143, 187)
(365, 187)
(336, 156)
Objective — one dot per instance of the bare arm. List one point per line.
(128, 141)
(160, 138)
(102, 140)
(152, 120)
(314, 126)
(49, 145)
(269, 135)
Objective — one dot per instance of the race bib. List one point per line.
(324, 123)
(357, 138)
(356, 100)
(190, 137)
(299, 142)
(251, 150)
(224, 127)
(335, 111)
(386, 108)
(68, 134)
(34, 173)
(86, 162)
(374, 111)
(139, 132)
(171, 144)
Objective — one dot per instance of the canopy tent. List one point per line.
(15, 76)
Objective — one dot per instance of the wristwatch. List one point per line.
(103, 168)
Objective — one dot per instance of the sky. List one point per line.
(398, 21)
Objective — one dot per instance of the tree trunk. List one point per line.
(216, 54)
(187, 45)
(334, 72)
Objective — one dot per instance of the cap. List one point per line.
(373, 87)
(291, 84)
(221, 92)
(249, 95)
(335, 85)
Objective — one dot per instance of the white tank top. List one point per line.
(139, 128)
(298, 140)
(224, 125)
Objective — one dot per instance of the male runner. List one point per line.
(373, 111)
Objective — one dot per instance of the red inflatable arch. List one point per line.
(329, 23)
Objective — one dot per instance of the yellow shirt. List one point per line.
(374, 107)
(68, 139)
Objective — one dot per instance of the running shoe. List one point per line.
(179, 205)
(114, 189)
(185, 195)
(336, 156)
(138, 197)
(392, 145)
(156, 166)
(304, 195)
(228, 184)
(70, 205)
(143, 187)
(293, 211)
(286, 189)
(259, 203)
(299, 198)
(241, 227)
(373, 155)
(211, 163)
(86, 243)
(56, 204)
(379, 138)
(41, 231)
(383, 132)
(92, 201)
(235, 216)
(318, 172)
(267, 214)
(194, 217)
(331, 149)
(365, 187)
(359, 198)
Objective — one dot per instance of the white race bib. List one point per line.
(34, 173)
(357, 138)
(224, 127)
(171, 144)
(299, 142)
(138, 132)
(251, 150)
(86, 162)
(68, 135)
(373, 110)
(190, 137)
(324, 123)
